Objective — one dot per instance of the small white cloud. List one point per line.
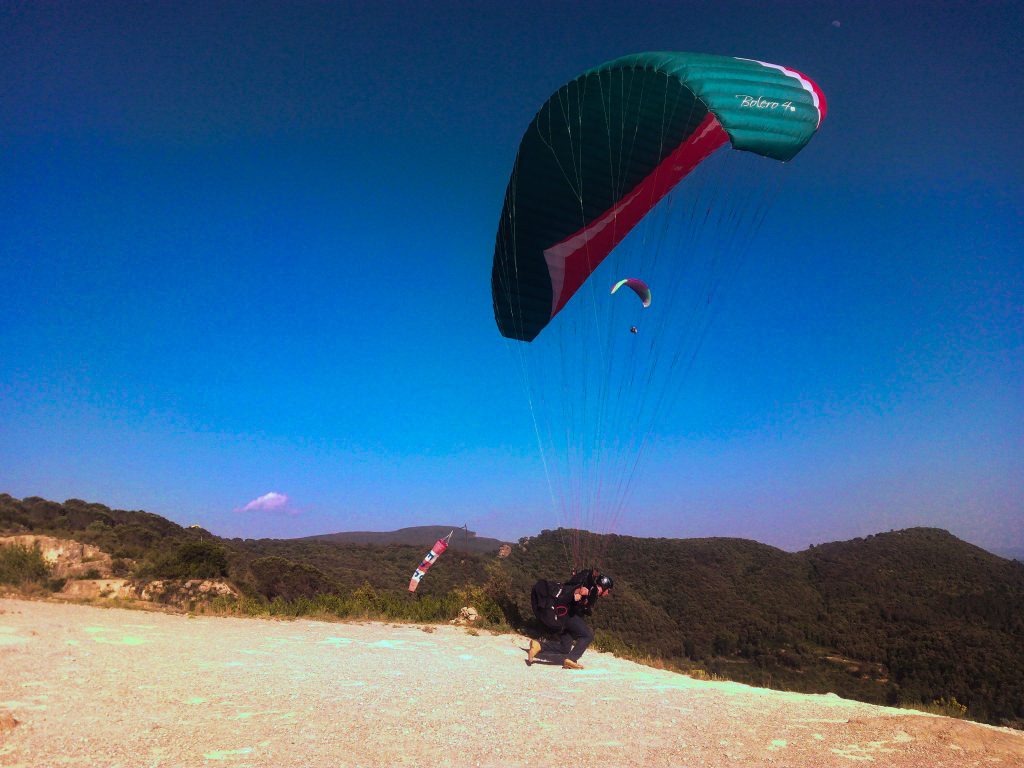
(836, 23)
(269, 502)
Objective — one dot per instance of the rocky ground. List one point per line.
(87, 686)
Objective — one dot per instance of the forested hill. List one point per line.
(421, 536)
(915, 616)
(906, 616)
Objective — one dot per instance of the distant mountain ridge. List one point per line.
(421, 535)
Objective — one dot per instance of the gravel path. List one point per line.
(87, 686)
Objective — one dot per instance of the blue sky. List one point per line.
(246, 250)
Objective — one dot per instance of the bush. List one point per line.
(279, 577)
(365, 602)
(483, 600)
(946, 707)
(193, 560)
(20, 564)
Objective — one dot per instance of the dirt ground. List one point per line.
(86, 686)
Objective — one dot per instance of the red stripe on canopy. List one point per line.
(571, 261)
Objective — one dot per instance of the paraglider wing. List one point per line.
(649, 118)
(639, 288)
(619, 175)
(431, 557)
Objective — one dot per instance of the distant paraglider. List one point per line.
(639, 287)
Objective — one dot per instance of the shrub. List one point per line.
(490, 612)
(193, 560)
(279, 577)
(946, 707)
(20, 564)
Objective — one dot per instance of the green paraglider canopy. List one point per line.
(617, 182)
(608, 145)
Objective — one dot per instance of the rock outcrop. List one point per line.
(69, 559)
(177, 593)
(73, 560)
(183, 592)
(467, 616)
(88, 589)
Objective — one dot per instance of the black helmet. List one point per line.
(604, 582)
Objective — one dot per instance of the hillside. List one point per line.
(936, 612)
(420, 536)
(914, 616)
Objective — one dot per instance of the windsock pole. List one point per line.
(435, 552)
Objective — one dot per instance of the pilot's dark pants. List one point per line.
(570, 644)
